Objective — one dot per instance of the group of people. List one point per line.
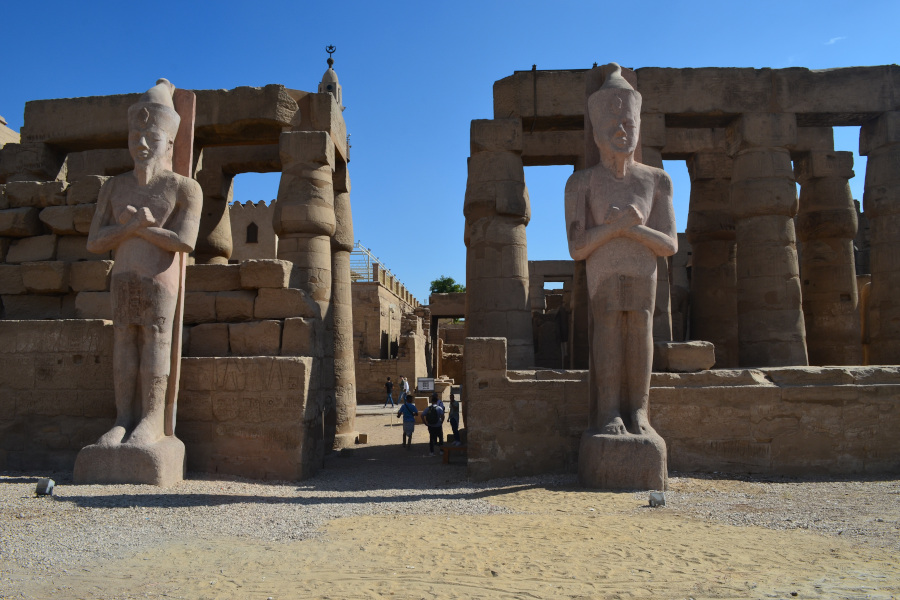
(389, 388)
(433, 417)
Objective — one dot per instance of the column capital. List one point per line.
(824, 163)
(491, 135)
(761, 130)
(883, 130)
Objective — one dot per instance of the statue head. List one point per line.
(152, 125)
(615, 113)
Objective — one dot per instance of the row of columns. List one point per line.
(745, 226)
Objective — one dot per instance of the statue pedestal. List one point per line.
(345, 440)
(622, 462)
(161, 463)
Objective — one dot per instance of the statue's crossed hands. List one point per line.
(140, 218)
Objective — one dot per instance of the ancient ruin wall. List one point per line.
(251, 417)
(798, 421)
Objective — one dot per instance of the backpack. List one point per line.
(432, 418)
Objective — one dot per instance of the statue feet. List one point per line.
(147, 432)
(614, 426)
(113, 436)
(640, 423)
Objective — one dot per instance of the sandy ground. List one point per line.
(546, 539)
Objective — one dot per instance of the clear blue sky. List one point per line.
(414, 75)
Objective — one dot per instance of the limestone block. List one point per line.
(213, 278)
(284, 303)
(36, 193)
(271, 273)
(20, 222)
(45, 277)
(488, 135)
(30, 161)
(824, 164)
(235, 305)
(85, 190)
(61, 219)
(93, 305)
(199, 307)
(94, 163)
(90, 275)
(301, 337)
(73, 248)
(210, 339)
(32, 249)
(11, 279)
(257, 338)
(26, 308)
(683, 357)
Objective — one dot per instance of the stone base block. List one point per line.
(159, 464)
(683, 357)
(622, 462)
(345, 440)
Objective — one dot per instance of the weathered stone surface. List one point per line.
(270, 273)
(31, 249)
(210, 339)
(93, 305)
(20, 222)
(11, 279)
(68, 220)
(213, 278)
(235, 305)
(301, 337)
(85, 190)
(92, 164)
(284, 303)
(199, 307)
(26, 308)
(495, 135)
(73, 248)
(683, 357)
(623, 462)
(31, 162)
(161, 464)
(45, 277)
(36, 193)
(90, 276)
(257, 338)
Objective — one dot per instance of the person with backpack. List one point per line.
(434, 419)
(409, 412)
(454, 419)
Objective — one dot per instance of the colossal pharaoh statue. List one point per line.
(149, 217)
(619, 219)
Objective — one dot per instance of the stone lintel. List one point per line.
(552, 148)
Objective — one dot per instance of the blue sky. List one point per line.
(414, 74)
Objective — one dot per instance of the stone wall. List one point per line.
(801, 420)
(260, 214)
(253, 417)
(371, 373)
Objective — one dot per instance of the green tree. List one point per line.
(446, 285)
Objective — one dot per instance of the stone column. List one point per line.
(826, 226)
(304, 220)
(214, 243)
(764, 201)
(342, 307)
(497, 210)
(653, 139)
(710, 231)
(880, 142)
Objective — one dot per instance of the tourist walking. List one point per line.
(409, 412)
(404, 389)
(434, 419)
(389, 388)
(454, 419)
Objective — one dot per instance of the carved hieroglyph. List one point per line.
(150, 218)
(619, 219)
